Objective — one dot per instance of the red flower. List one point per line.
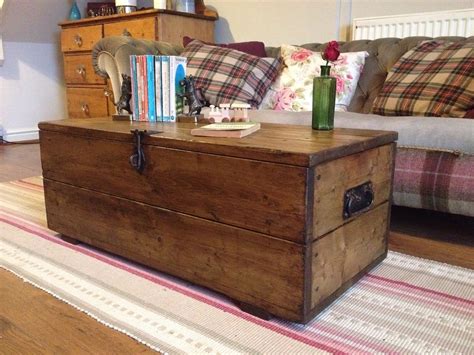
(331, 53)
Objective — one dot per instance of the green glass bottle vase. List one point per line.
(324, 100)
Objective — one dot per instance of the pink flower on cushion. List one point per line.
(339, 84)
(283, 99)
(342, 60)
(301, 55)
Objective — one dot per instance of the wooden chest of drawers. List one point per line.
(89, 95)
(282, 221)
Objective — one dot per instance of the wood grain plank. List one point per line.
(130, 16)
(184, 26)
(334, 178)
(78, 70)
(439, 250)
(247, 266)
(142, 28)
(86, 102)
(284, 144)
(34, 322)
(342, 254)
(80, 38)
(264, 197)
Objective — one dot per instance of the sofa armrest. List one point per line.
(111, 56)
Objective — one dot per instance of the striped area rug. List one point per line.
(404, 305)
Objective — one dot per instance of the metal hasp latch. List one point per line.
(137, 159)
(358, 199)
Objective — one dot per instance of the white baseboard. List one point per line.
(21, 135)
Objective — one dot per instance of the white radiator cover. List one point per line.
(429, 24)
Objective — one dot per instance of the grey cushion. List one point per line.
(450, 134)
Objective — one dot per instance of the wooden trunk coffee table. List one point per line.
(282, 221)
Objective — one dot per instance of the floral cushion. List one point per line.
(293, 89)
(226, 75)
(432, 79)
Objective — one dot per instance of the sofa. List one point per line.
(434, 166)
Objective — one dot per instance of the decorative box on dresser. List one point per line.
(89, 95)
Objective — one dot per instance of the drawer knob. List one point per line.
(81, 70)
(109, 93)
(78, 40)
(126, 33)
(85, 108)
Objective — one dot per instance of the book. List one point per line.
(229, 130)
(165, 83)
(133, 78)
(177, 73)
(141, 103)
(145, 88)
(150, 67)
(158, 89)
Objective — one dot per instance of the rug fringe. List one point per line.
(90, 314)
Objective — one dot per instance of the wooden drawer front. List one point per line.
(142, 28)
(86, 102)
(334, 178)
(264, 197)
(247, 266)
(80, 38)
(78, 69)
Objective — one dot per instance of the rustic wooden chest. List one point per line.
(282, 221)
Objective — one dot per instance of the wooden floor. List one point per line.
(32, 321)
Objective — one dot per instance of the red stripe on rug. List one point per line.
(278, 329)
(418, 288)
(427, 299)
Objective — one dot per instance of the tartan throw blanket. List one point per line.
(226, 75)
(434, 180)
(433, 79)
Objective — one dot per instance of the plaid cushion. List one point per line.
(433, 79)
(226, 75)
(434, 180)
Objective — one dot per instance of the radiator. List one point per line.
(429, 24)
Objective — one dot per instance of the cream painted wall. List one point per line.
(276, 21)
(31, 82)
(31, 88)
(300, 21)
(31, 79)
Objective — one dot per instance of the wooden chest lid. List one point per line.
(284, 144)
